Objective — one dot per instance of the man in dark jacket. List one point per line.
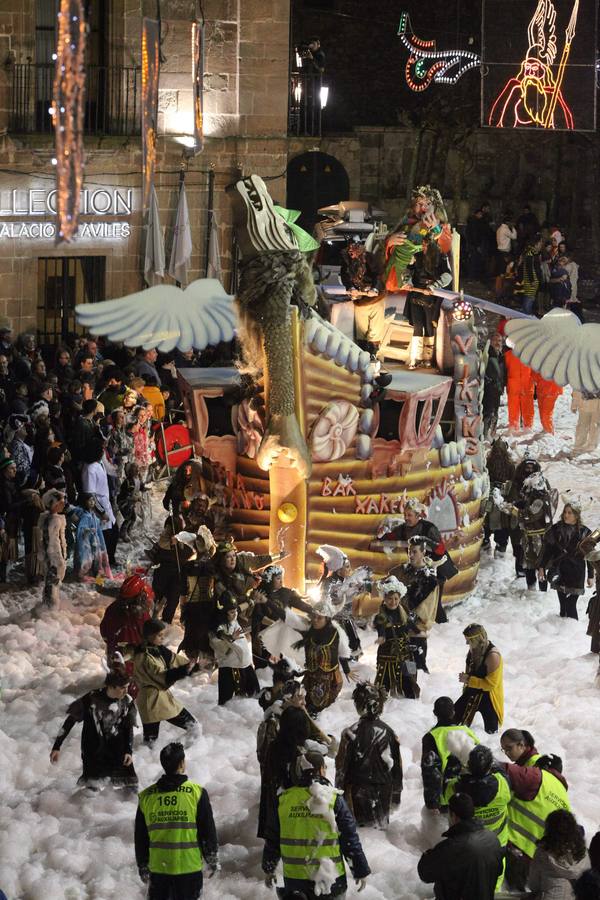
(494, 384)
(175, 832)
(468, 862)
(438, 764)
(304, 837)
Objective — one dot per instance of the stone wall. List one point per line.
(246, 85)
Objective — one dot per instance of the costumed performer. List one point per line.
(563, 565)
(396, 668)
(233, 653)
(483, 690)
(345, 589)
(421, 598)
(414, 522)
(368, 763)
(326, 649)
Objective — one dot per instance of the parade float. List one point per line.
(301, 446)
(319, 453)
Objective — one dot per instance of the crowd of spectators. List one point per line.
(532, 265)
(77, 425)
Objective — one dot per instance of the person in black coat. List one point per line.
(372, 787)
(108, 716)
(468, 862)
(562, 563)
(494, 383)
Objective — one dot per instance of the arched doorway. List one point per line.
(315, 179)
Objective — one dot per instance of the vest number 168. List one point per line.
(169, 800)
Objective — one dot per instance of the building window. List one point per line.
(112, 94)
(63, 282)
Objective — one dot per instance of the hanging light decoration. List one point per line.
(426, 64)
(198, 77)
(462, 310)
(150, 72)
(67, 113)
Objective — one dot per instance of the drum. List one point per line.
(176, 445)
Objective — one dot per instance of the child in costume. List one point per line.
(90, 556)
(53, 545)
(232, 652)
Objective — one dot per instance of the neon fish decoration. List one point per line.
(426, 64)
(534, 97)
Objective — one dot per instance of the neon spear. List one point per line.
(569, 35)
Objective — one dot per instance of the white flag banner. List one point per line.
(154, 261)
(181, 250)
(213, 269)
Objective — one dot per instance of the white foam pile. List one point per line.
(58, 842)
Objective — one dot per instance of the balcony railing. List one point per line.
(112, 99)
(308, 97)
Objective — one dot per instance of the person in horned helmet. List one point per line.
(326, 650)
(343, 586)
(368, 763)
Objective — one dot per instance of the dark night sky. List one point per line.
(365, 58)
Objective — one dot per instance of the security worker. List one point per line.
(519, 746)
(490, 794)
(312, 834)
(175, 832)
(439, 762)
(536, 792)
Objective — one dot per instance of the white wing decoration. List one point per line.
(165, 317)
(559, 347)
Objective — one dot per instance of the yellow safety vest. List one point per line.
(171, 822)
(527, 818)
(532, 760)
(440, 735)
(306, 840)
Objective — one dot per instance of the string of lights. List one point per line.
(426, 64)
(67, 113)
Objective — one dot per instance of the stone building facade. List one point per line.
(245, 104)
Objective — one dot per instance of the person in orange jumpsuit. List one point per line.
(547, 393)
(519, 389)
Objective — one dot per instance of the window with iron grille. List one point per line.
(63, 282)
(112, 92)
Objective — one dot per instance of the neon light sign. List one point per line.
(534, 97)
(426, 64)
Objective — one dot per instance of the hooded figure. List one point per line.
(368, 764)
